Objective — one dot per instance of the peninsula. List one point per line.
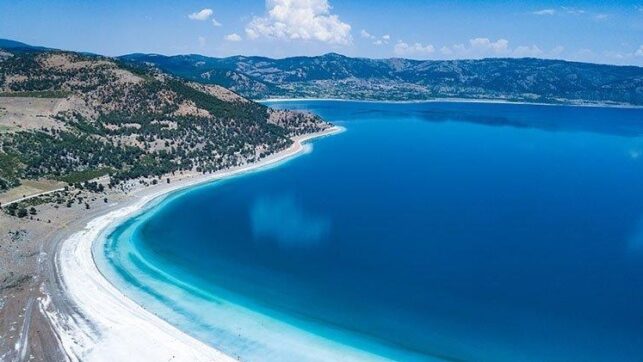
(84, 135)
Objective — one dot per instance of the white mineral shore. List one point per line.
(108, 326)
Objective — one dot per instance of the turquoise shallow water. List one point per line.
(425, 231)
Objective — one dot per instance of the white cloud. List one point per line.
(446, 51)
(233, 37)
(615, 55)
(557, 50)
(584, 54)
(417, 49)
(300, 20)
(201, 15)
(622, 56)
(573, 11)
(484, 44)
(639, 51)
(585, 51)
(204, 15)
(545, 12)
(563, 10)
(477, 48)
(366, 34)
(527, 51)
(384, 39)
(484, 48)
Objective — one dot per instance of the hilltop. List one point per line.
(73, 117)
(337, 76)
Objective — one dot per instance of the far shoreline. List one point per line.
(449, 100)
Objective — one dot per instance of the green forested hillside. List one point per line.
(129, 121)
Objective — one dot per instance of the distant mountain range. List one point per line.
(337, 76)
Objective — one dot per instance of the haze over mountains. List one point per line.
(337, 76)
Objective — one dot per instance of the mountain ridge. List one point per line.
(334, 75)
(14, 44)
(74, 116)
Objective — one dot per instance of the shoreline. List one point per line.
(98, 322)
(451, 100)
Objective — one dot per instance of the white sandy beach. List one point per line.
(112, 327)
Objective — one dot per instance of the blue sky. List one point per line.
(596, 31)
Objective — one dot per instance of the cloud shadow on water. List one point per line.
(283, 220)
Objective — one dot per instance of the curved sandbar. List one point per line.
(106, 325)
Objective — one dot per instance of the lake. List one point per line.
(425, 231)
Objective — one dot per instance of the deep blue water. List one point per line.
(463, 231)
